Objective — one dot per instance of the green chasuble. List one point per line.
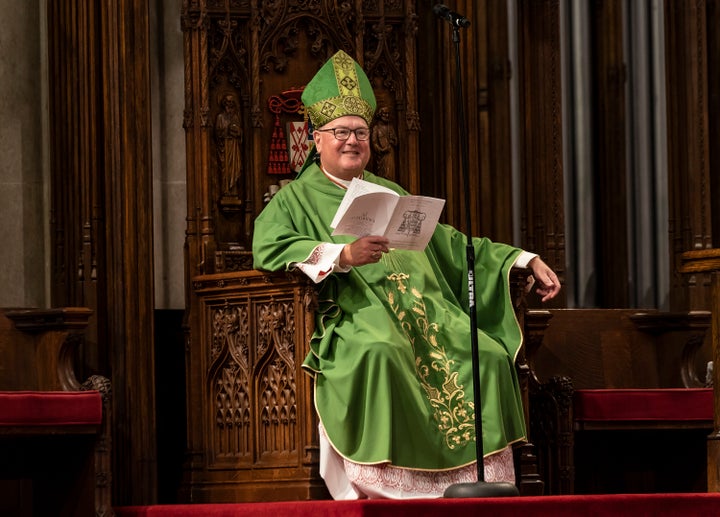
(391, 351)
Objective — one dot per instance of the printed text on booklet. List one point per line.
(370, 209)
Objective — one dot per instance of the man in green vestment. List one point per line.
(390, 355)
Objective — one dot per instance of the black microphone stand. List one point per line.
(481, 488)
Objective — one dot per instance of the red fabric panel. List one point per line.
(626, 505)
(40, 408)
(676, 404)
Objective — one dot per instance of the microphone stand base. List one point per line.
(480, 489)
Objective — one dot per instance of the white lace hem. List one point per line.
(347, 480)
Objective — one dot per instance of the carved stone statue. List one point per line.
(229, 134)
(384, 141)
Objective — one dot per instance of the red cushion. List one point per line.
(40, 408)
(672, 404)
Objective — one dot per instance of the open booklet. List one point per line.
(370, 209)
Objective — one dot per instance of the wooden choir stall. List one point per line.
(55, 431)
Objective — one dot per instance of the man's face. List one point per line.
(345, 159)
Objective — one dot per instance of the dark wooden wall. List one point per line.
(101, 164)
(609, 78)
(542, 213)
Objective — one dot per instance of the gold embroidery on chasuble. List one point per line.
(454, 415)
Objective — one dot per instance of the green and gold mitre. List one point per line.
(339, 88)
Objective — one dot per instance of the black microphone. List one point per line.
(455, 19)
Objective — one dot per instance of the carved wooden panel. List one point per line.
(251, 380)
(228, 384)
(256, 437)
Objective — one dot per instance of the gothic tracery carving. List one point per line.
(276, 387)
(230, 357)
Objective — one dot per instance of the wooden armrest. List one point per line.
(695, 324)
(39, 347)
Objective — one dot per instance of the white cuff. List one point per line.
(524, 259)
(323, 260)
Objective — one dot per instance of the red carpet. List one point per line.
(650, 505)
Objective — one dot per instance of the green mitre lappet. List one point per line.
(339, 88)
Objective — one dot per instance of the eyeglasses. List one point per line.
(343, 133)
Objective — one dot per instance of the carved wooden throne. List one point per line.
(251, 427)
(251, 424)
